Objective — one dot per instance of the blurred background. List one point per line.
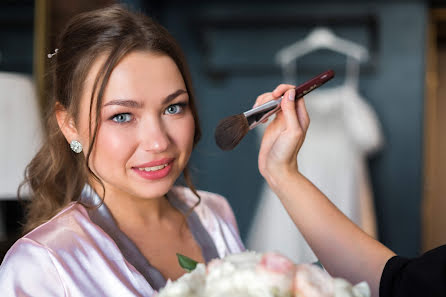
(376, 144)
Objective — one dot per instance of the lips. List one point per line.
(155, 169)
(152, 168)
(155, 163)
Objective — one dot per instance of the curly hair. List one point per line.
(55, 175)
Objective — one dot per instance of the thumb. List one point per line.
(288, 106)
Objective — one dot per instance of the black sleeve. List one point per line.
(422, 276)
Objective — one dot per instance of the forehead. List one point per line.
(141, 75)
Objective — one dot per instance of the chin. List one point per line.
(154, 190)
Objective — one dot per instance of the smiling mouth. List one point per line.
(153, 168)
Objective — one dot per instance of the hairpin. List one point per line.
(51, 55)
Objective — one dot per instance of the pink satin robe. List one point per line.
(70, 255)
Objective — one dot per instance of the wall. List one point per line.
(393, 83)
(16, 36)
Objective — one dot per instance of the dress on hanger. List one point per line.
(343, 131)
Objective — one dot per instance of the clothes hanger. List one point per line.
(323, 38)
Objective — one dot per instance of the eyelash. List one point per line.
(181, 105)
(120, 114)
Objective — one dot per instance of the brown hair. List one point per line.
(56, 175)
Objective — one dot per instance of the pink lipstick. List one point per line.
(154, 170)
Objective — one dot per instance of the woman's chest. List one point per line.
(161, 250)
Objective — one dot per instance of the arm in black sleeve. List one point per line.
(422, 276)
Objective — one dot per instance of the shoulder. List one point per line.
(216, 216)
(45, 258)
(70, 220)
(51, 236)
(210, 203)
(71, 234)
(421, 276)
(29, 266)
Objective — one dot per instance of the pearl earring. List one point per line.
(76, 146)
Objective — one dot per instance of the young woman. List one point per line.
(105, 218)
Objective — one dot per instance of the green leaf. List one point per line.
(186, 263)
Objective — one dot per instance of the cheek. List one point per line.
(112, 146)
(184, 134)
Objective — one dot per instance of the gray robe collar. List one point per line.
(102, 217)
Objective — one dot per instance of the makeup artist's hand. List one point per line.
(284, 135)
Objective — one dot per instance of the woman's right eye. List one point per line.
(122, 118)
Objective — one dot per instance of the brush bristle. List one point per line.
(230, 131)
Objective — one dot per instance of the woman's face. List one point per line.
(146, 128)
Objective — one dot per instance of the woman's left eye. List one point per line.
(174, 108)
(122, 118)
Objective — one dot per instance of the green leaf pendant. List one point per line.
(186, 263)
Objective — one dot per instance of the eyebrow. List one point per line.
(126, 103)
(173, 96)
(136, 104)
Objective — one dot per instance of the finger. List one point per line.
(272, 117)
(281, 89)
(263, 98)
(289, 109)
(278, 91)
(302, 114)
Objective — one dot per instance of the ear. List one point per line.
(66, 123)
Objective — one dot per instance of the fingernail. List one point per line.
(291, 94)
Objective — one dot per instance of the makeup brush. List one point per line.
(231, 130)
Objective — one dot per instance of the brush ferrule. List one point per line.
(256, 115)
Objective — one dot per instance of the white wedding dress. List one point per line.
(344, 129)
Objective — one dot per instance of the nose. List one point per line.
(154, 136)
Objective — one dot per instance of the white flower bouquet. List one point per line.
(251, 274)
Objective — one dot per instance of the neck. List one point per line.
(132, 212)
